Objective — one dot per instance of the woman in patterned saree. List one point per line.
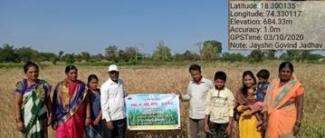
(70, 106)
(283, 104)
(33, 103)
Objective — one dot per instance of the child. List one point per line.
(96, 129)
(262, 85)
(219, 112)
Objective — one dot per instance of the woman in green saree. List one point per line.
(32, 104)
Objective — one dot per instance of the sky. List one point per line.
(80, 25)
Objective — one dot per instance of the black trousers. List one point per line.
(217, 130)
(119, 130)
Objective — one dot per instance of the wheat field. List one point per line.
(168, 79)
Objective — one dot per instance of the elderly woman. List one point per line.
(33, 103)
(284, 104)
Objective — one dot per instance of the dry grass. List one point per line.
(173, 79)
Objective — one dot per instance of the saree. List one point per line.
(247, 124)
(34, 109)
(69, 109)
(281, 109)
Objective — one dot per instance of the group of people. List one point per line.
(76, 109)
(73, 109)
(260, 108)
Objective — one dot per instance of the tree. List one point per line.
(284, 56)
(270, 54)
(78, 57)
(293, 55)
(211, 50)
(121, 54)
(128, 54)
(256, 55)
(232, 57)
(54, 60)
(85, 56)
(300, 55)
(60, 55)
(162, 52)
(187, 55)
(8, 54)
(27, 54)
(131, 53)
(111, 53)
(297, 55)
(97, 57)
(69, 59)
(199, 45)
(46, 56)
(315, 57)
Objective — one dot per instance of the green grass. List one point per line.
(312, 130)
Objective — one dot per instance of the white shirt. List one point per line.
(196, 93)
(112, 100)
(220, 105)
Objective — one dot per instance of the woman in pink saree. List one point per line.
(70, 106)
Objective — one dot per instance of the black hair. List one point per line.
(195, 67)
(220, 75)
(70, 67)
(244, 89)
(286, 64)
(30, 64)
(263, 73)
(92, 77)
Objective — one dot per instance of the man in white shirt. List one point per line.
(197, 90)
(113, 105)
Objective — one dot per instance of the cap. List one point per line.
(112, 67)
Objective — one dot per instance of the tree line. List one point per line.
(209, 50)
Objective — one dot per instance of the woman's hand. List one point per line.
(20, 126)
(96, 122)
(54, 126)
(88, 121)
(50, 120)
(242, 108)
(296, 129)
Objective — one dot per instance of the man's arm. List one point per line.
(104, 98)
(207, 113)
(187, 96)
